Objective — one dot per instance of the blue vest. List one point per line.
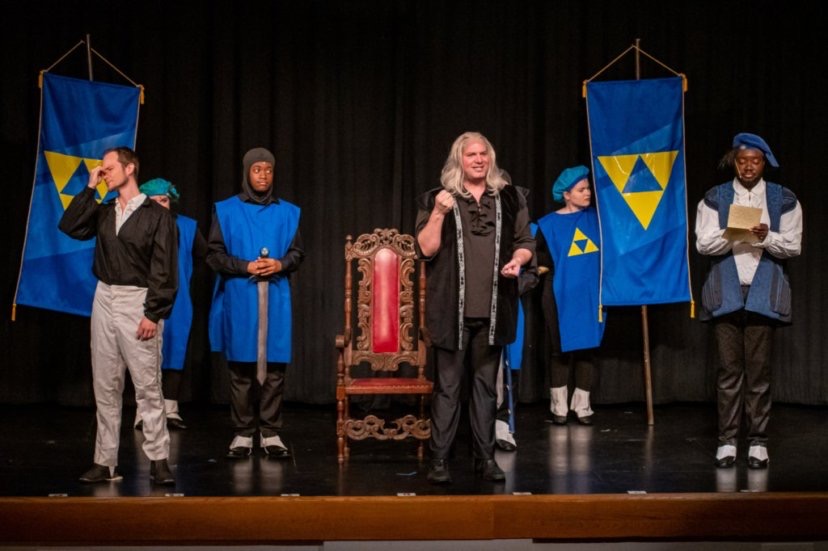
(770, 291)
(177, 327)
(234, 315)
(574, 241)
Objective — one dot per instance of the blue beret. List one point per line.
(745, 140)
(159, 186)
(568, 178)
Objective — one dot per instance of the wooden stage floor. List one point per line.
(618, 480)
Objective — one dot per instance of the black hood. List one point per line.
(253, 156)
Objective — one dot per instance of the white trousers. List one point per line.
(116, 312)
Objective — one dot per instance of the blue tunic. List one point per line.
(177, 327)
(514, 351)
(234, 315)
(574, 240)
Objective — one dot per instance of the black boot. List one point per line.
(438, 472)
(489, 470)
(160, 473)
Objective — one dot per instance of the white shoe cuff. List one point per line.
(272, 441)
(171, 408)
(759, 452)
(502, 431)
(580, 403)
(558, 406)
(726, 451)
(242, 442)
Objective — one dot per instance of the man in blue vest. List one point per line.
(254, 241)
(747, 293)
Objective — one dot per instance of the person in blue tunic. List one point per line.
(191, 245)
(568, 245)
(747, 293)
(516, 354)
(254, 238)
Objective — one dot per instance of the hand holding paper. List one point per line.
(740, 223)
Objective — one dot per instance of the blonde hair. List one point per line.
(452, 175)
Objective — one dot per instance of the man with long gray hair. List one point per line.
(474, 233)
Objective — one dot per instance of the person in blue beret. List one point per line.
(568, 249)
(191, 245)
(746, 293)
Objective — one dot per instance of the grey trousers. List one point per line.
(116, 312)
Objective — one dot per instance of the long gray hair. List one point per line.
(452, 176)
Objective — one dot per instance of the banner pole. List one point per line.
(89, 55)
(645, 326)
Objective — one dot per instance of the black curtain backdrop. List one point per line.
(360, 101)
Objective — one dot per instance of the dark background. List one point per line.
(360, 101)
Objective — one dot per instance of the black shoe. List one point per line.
(558, 419)
(160, 473)
(756, 463)
(139, 425)
(505, 445)
(586, 420)
(100, 473)
(489, 470)
(175, 423)
(725, 462)
(240, 452)
(276, 452)
(438, 472)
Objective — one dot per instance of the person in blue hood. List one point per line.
(254, 238)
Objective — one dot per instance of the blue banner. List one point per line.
(79, 119)
(637, 141)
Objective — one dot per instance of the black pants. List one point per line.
(171, 383)
(561, 365)
(251, 402)
(481, 361)
(743, 382)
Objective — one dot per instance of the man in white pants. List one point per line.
(136, 266)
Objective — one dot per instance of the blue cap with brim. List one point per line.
(568, 178)
(746, 140)
(159, 186)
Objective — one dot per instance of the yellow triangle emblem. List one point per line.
(643, 204)
(581, 244)
(62, 167)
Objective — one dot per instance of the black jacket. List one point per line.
(143, 254)
(442, 283)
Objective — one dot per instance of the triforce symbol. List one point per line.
(641, 179)
(581, 244)
(64, 168)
